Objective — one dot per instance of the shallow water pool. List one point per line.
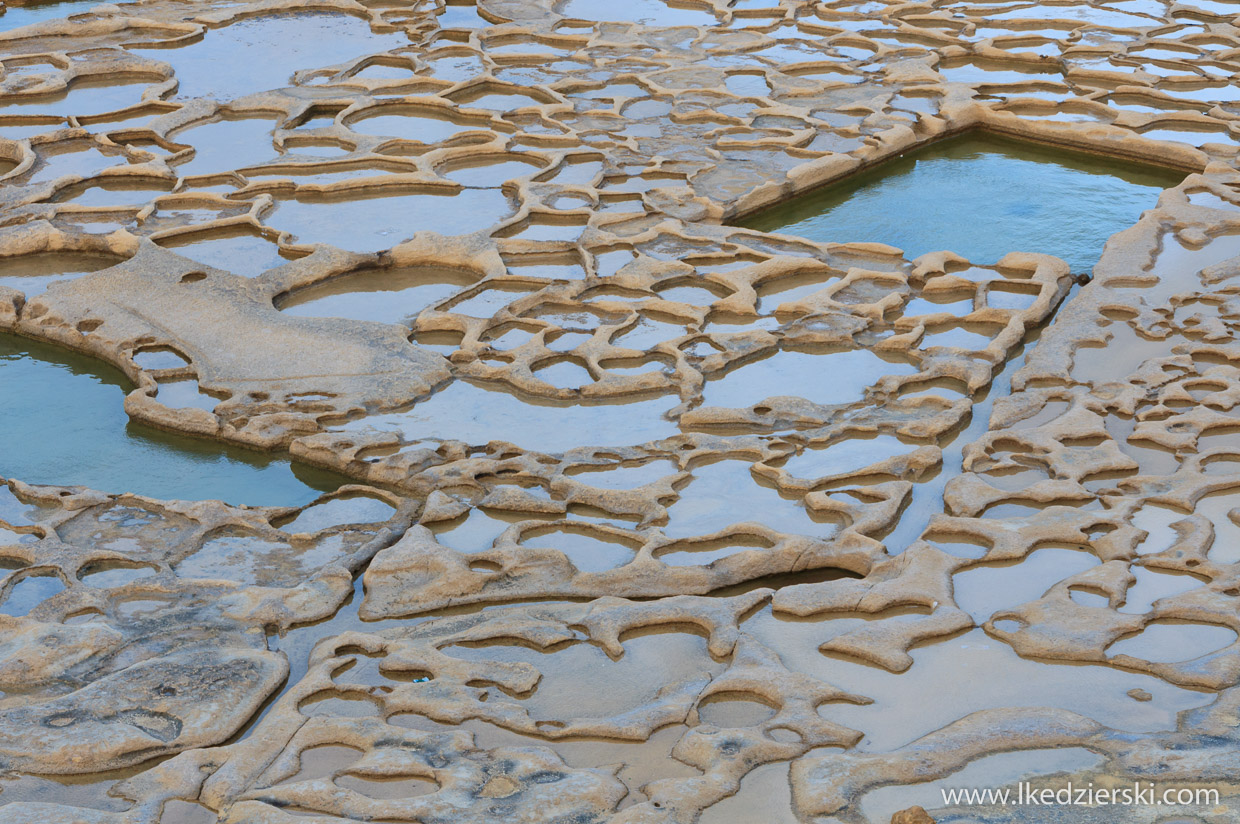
(63, 422)
(979, 196)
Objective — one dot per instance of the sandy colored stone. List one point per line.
(913, 815)
(637, 143)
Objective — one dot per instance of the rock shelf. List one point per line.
(619, 503)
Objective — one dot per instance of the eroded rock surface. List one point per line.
(657, 518)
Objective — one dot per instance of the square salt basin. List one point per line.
(1030, 198)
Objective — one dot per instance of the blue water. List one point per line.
(982, 197)
(14, 17)
(63, 422)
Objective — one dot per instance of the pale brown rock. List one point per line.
(913, 815)
(554, 624)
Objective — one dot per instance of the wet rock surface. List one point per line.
(646, 516)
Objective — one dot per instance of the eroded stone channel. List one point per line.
(790, 526)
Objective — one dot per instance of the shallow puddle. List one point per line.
(91, 441)
(988, 74)
(384, 788)
(114, 194)
(565, 374)
(1033, 198)
(29, 591)
(1173, 641)
(800, 374)
(239, 251)
(346, 509)
(89, 791)
(702, 553)
(69, 159)
(383, 295)
(1156, 522)
(1178, 268)
(16, 16)
(726, 492)
(640, 762)
(646, 12)
(468, 412)
(83, 98)
(623, 477)
(1218, 507)
(581, 681)
(421, 125)
(992, 771)
(489, 172)
(110, 574)
(373, 222)
(32, 274)
(587, 550)
(765, 795)
(1122, 355)
(225, 145)
(184, 394)
(967, 673)
(477, 530)
(498, 101)
(984, 590)
(849, 455)
(222, 65)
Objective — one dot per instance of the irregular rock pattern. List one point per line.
(617, 551)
